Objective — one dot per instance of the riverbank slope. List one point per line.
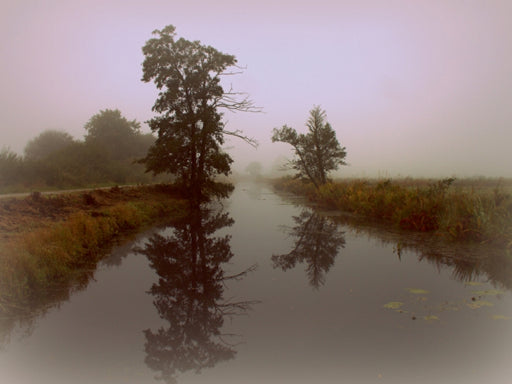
(55, 241)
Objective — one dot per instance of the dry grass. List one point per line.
(50, 241)
(470, 210)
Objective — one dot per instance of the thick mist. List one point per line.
(411, 89)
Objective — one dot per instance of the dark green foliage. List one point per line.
(54, 159)
(12, 168)
(47, 143)
(78, 164)
(316, 153)
(189, 126)
(122, 143)
(117, 136)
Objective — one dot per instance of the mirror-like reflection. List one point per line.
(317, 243)
(470, 264)
(189, 296)
(24, 315)
(395, 306)
(318, 238)
(467, 262)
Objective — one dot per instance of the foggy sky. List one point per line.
(418, 88)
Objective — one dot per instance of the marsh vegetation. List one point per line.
(468, 210)
(52, 243)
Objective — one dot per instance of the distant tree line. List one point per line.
(108, 154)
(189, 132)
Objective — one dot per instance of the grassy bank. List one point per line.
(458, 210)
(50, 242)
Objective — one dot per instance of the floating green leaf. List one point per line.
(417, 291)
(490, 292)
(501, 317)
(431, 317)
(473, 283)
(448, 307)
(479, 304)
(393, 305)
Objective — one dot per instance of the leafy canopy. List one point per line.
(189, 127)
(46, 143)
(119, 137)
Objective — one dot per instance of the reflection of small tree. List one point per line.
(189, 295)
(317, 243)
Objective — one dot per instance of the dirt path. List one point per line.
(22, 195)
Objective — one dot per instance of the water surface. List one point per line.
(265, 290)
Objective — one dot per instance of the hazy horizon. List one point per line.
(412, 89)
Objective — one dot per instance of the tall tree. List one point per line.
(317, 152)
(189, 126)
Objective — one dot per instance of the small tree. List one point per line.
(190, 128)
(317, 152)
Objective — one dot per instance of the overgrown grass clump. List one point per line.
(459, 212)
(56, 254)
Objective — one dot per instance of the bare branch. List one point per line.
(238, 133)
(236, 101)
(230, 73)
(238, 276)
(227, 343)
(236, 308)
(241, 70)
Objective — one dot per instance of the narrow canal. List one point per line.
(261, 290)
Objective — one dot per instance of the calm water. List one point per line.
(265, 291)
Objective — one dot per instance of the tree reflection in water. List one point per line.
(317, 242)
(189, 296)
(469, 263)
(466, 261)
